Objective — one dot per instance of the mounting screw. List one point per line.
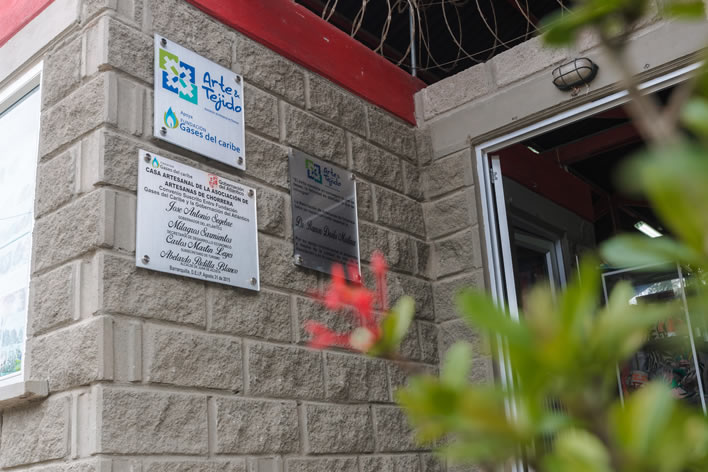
(146, 259)
(147, 158)
(253, 281)
(352, 177)
(163, 42)
(297, 259)
(237, 79)
(251, 193)
(163, 131)
(240, 160)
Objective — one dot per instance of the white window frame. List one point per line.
(12, 93)
(498, 254)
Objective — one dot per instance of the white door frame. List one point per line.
(553, 256)
(485, 173)
(482, 152)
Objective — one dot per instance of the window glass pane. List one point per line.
(668, 354)
(19, 135)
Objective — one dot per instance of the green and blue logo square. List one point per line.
(313, 171)
(178, 77)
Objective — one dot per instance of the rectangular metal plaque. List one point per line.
(198, 104)
(195, 224)
(325, 224)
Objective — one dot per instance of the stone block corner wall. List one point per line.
(150, 372)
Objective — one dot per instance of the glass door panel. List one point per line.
(536, 262)
(673, 353)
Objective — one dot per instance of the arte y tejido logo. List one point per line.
(313, 171)
(178, 77)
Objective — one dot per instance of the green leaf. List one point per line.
(480, 449)
(579, 301)
(456, 366)
(394, 327)
(560, 31)
(622, 328)
(694, 115)
(675, 178)
(611, 16)
(562, 28)
(685, 9)
(702, 78)
(401, 317)
(552, 422)
(629, 250)
(480, 311)
(578, 451)
(644, 417)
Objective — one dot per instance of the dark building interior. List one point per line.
(576, 166)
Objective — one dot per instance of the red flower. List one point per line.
(322, 337)
(379, 266)
(357, 299)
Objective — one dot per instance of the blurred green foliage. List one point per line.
(565, 350)
(394, 327)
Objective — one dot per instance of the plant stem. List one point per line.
(644, 109)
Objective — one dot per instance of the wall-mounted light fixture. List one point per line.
(532, 149)
(647, 229)
(575, 73)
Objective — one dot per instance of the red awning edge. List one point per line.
(308, 40)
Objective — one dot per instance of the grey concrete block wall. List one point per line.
(153, 372)
(453, 251)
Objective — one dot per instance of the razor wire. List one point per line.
(452, 25)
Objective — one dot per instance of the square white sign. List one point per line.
(195, 224)
(198, 104)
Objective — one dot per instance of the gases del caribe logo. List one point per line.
(171, 120)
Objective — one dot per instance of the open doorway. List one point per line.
(549, 194)
(560, 198)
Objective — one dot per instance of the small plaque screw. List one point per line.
(251, 193)
(237, 79)
(298, 259)
(352, 177)
(147, 158)
(240, 160)
(253, 281)
(146, 259)
(163, 42)
(163, 131)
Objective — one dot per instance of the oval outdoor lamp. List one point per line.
(573, 74)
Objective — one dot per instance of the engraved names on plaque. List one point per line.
(195, 224)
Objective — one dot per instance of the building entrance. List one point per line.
(555, 196)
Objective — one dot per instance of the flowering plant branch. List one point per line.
(376, 335)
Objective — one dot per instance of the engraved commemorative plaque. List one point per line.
(325, 224)
(195, 224)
